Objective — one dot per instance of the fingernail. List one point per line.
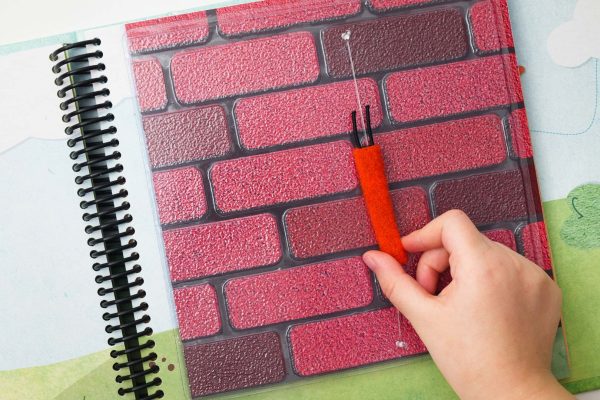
(369, 260)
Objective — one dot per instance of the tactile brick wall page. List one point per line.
(246, 112)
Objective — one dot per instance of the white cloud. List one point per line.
(577, 40)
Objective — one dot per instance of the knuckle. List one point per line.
(456, 214)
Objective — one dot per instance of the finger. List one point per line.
(400, 288)
(431, 264)
(452, 230)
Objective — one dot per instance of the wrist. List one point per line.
(540, 385)
(517, 385)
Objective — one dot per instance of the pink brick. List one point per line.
(189, 135)
(215, 72)
(443, 148)
(504, 236)
(167, 32)
(221, 247)
(455, 88)
(343, 224)
(197, 311)
(519, 132)
(318, 111)
(150, 84)
(491, 25)
(296, 293)
(273, 14)
(351, 341)
(384, 5)
(179, 195)
(283, 176)
(535, 244)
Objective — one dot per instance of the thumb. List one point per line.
(409, 297)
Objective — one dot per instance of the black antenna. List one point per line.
(368, 130)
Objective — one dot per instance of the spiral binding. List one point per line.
(86, 111)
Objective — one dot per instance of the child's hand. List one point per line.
(491, 330)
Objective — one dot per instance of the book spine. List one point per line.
(93, 139)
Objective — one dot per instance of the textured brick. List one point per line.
(385, 5)
(491, 25)
(486, 198)
(283, 176)
(234, 364)
(163, 33)
(274, 14)
(343, 224)
(434, 37)
(504, 236)
(535, 244)
(296, 293)
(443, 148)
(318, 111)
(519, 132)
(150, 84)
(351, 341)
(220, 247)
(197, 311)
(215, 72)
(179, 195)
(455, 88)
(189, 135)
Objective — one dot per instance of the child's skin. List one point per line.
(490, 331)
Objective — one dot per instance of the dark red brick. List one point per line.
(163, 33)
(317, 111)
(519, 132)
(383, 44)
(534, 240)
(385, 5)
(350, 341)
(179, 195)
(491, 25)
(504, 236)
(274, 14)
(197, 311)
(296, 293)
(215, 72)
(150, 84)
(455, 88)
(234, 364)
(220, 247)
(343, 224)
(283, 176)
(486, 198)
(189, 135)
(443, 148)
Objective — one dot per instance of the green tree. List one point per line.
(582, 228)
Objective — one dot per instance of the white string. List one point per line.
(400, 343)
(346, 37)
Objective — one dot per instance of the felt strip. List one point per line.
(374, 185)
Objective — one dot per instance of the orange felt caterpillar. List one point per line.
(371, 174)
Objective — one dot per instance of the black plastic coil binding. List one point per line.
(87, 112)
